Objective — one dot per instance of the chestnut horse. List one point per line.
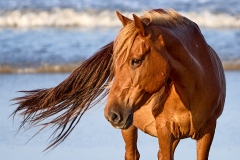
(161, 76)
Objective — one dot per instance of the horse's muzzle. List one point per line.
(120, 121)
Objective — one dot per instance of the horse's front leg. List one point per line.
(167, 141)
(167, 144)
(204, 143)
(130, 137)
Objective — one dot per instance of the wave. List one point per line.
(67, 68)
(105, 18)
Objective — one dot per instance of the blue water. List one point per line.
(37, 32)
(47, 45)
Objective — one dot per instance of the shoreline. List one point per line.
(233, 65)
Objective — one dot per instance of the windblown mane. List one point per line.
(63, 106)
(125, 38)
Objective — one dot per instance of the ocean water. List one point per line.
(56, 35)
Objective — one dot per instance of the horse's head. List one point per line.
(140, 70)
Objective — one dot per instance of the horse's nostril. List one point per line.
(115, 117)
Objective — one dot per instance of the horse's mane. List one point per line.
(164, 18)
(63, 106)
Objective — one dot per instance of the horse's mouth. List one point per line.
(129, 121)
(125, 124)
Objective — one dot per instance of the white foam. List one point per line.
(105, 18)
(58, 18)
(210, 20)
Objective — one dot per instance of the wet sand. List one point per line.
(94, 138)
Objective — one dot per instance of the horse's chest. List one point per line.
(180, 125)
(144, 120)
(175, 116)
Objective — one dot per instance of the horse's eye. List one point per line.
(136, 63)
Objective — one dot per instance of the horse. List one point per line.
(160, 76)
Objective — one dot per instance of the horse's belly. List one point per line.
(144, 120)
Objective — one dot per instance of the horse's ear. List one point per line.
(142, 27)
(123, 19)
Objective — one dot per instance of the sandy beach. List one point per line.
(94, 138)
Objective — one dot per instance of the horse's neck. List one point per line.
(194, 66)
(184, 61)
